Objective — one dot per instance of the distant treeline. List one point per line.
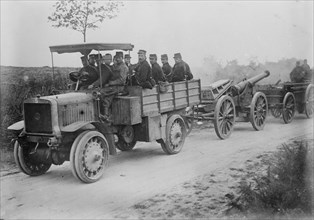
(212, 70)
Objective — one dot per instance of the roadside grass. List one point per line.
(285, 190)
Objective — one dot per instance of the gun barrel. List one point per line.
(240, 86)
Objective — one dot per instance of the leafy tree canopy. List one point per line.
(81, 15)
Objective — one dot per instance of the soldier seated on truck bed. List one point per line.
(114, 86)
(181, 70)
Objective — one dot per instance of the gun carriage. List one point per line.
(287, 98)
(223, 103)
(68, 126)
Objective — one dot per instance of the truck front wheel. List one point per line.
(30, 158)
(89, 156)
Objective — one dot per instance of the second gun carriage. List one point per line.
(287, 98)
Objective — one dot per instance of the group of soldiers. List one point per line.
(301, 73)
(111, 74)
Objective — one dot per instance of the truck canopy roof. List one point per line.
(86, 48)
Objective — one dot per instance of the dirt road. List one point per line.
(140, 174)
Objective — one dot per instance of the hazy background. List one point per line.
(222, 30)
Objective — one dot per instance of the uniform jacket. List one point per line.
(157, 73)
(106, 74)
(166, 68)
(143, 74)
(298, 74)
(120, 73)
(181, 71)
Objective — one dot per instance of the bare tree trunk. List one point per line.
(84, 34)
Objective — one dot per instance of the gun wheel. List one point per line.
(309, 101)
(288, 110)
(258, 111)
(276, 112)
(175, 135)
(89, 156)
(224, 117)
(27, 159)
(126, 140)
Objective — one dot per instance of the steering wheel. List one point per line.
(79, 76)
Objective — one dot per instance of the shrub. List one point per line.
(285, 186)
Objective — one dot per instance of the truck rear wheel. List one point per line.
(126, 140)
(28, 160)
(175, 135)
(89, 156)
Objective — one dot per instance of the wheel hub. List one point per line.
(176, 134)
(127, 134)
(93, 156)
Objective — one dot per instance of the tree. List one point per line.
(80, 15)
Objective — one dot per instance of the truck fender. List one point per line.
(17, 126)
(107, 132)
(78, 125)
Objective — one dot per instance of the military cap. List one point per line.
(164, 56)
(97, 56)
(153, 56)
(127, 56)
(177, 55)
(108, 55)
(119, 54)
(142, 52)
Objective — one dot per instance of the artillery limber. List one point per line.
(222, 102)
(287, 98)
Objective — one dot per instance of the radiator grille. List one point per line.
(38, 118)
(77, 112)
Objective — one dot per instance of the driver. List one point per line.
(86, 75)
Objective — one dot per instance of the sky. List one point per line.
(225, 30)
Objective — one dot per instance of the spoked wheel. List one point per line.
(89, 156)
(29, 161)
(126, 140)
(288, 109)
(224, 117)
(258, 111)
(276, 112)
(309, 101)
(189, 119)
(175, 135)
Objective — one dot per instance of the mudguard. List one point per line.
(17, 126)
(106, 131)
(77, 125)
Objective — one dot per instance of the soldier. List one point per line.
(88, 73)
(166, 68)
(143, 72)
(298, 74)
(307, 70)
(106, 71)
(127, 60)
(157, 73)
(114, 86)
(181, 70)
(92, 60)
